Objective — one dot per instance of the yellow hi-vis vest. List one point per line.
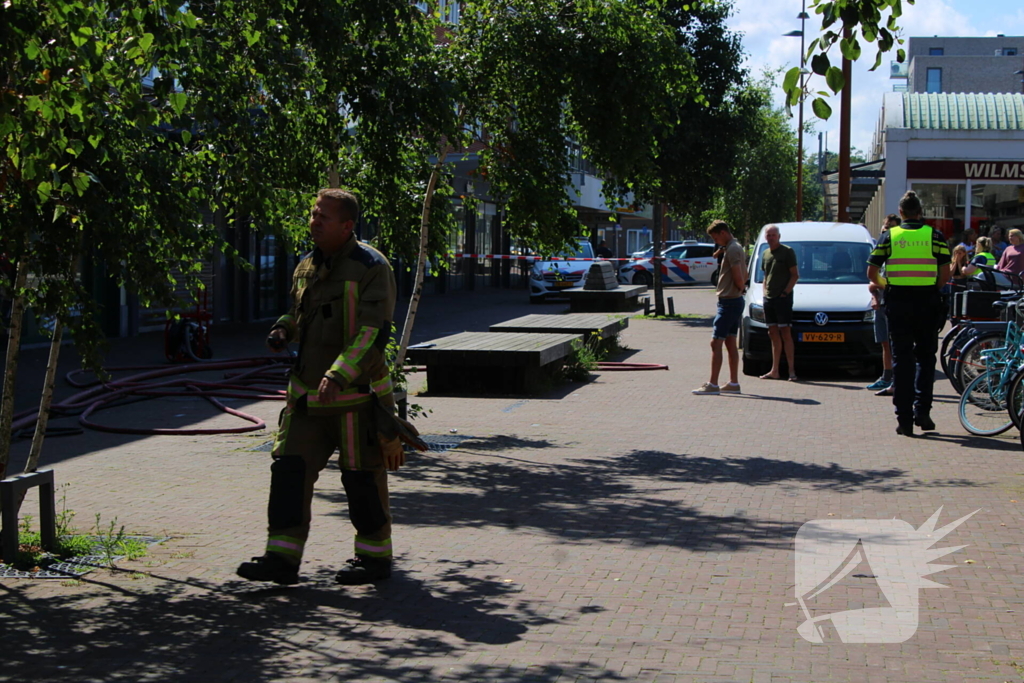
(990, 259)
(911, 262)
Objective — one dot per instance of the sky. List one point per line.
(762, 24)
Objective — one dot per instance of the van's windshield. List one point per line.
(825, 263)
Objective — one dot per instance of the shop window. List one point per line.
(934, 80)
(1009, 52)
(943, 207)
(997, 205)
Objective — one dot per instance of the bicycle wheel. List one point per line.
(970, 364)
(1015, 402)
(983, 406)
(947, 343)
(951, 354)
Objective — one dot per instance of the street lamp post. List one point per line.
(803, 17)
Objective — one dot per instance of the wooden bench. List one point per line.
(624, 298)
(491, 362)
(587, 324)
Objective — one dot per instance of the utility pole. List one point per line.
(844, 139)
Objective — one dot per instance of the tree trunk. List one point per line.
(421, 257)
(656, 260)
(11, 365)
(44, 407)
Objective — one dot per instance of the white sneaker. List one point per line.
(730, 388)
(707, 389)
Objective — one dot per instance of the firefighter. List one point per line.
(339, 397)
(916, 259)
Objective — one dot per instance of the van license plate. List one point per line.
(822, 336)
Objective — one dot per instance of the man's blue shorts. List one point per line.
(727, 321)
(881, 326)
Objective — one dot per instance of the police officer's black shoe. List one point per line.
(925, 422)
(364, 569)
(270, 567)
(905, 427)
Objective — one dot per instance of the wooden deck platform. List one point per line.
(605, 324)
(623, 298)
(491, 362)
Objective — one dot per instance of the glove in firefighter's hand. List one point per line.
(394, 453)
(277, 340)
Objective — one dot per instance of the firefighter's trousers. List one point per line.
(304, 445)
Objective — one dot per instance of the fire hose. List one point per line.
(259, 382)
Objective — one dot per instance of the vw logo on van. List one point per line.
(821, 318)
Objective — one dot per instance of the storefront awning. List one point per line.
(864, 181)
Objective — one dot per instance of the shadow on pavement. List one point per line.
(784, 399)
(979, 442)
(199, 631)
(617, 499)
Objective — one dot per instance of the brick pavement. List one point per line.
(621, 530)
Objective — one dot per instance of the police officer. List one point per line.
(916, 259)
(343, 302)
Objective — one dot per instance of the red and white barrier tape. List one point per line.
(506, 257)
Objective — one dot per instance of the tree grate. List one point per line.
(73, 566)
(440, 443)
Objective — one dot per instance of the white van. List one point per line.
(833, 321)
(552, 277)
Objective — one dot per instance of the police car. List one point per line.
(552, 277)
(687, 263)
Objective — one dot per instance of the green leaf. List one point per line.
(177, 101)
(44, 189)
(32, 49)
(850, 48)
(145, 41)
(901, 55)
(186, 137)
(820, 64)
(821, 108)
(189, 19)
(95, 139)
(251, 37)
(58, 211)
(81, 182)
(789, 82)
(834, 78)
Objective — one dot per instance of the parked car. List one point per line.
(833, 321)
(687, 263)
(554, 276)
(648, 251)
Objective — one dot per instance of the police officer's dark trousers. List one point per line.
(915, 315)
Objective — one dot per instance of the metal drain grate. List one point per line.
(440, 443)
(74, 566)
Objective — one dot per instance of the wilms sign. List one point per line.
(964, 170)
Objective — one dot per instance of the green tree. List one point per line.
(121, 124)
(848, 24)
(697, 147)
(533, 74)
(761, 187)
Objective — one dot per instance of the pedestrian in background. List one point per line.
(983, 249)
(998, 245)
(732, 282)
(1012, 260)
(603, 251)
(916, 258)
(883, 385)
(780, 277)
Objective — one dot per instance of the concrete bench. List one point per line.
(491, 362)
(586, 324)
(624, 298)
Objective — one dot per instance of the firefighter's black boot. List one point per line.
(270, 567)
(364, 569)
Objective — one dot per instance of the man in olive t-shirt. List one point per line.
(780, 276)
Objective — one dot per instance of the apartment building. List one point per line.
(962, 65)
